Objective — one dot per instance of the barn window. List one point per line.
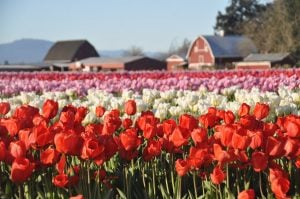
(200, 59)
(196, 49)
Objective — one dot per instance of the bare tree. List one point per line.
(134, 51)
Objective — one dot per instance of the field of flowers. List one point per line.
(221, 134)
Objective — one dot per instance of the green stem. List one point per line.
(195, 184)
(179, 188)
(143, 176)
(166, 181)
(20, 188)
(220, 191)
(237, 180)
(153, 178)
(203, 190)
(260, 186)
(126, 181)
(227, 181)
(172, 173)
(89, 179)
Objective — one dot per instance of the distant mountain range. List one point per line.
(26, 51)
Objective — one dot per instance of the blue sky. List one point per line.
(110, 24)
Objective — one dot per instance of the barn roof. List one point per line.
(175, 57)
(106, 60)
(21, 67)
(230, 46)
(272, 57)
(67, 51)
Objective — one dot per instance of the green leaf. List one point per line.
(163, 192)
(190, 194)
(122, 194)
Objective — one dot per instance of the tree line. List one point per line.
(274, 27)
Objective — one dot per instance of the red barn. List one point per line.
(218, 51)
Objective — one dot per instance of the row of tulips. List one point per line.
(266, 80)
(166, 104)
(218, 154)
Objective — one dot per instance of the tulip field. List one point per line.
(208, 134)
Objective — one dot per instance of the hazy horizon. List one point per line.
(110, 25)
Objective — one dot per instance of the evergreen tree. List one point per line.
(238, 12)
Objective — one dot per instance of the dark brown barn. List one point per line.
(218, 51)
(70, 51)
(121, 63)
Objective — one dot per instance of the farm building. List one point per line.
(175, 62)
(121, 63)
(220, 51)
(24, 67)
(263, 61)
(70, 51)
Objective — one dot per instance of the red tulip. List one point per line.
(129, 139)
(150, 131)
(130, 107)
(41, 136)
(169, 126)
(256, 139)
(297, 163)
(292, 128)
(179, 137)
(80, 114)
(17, 149)
(68, 142)
(60, 166)
(60, 180)
(229, 117)
(50, 109)
(220, 155)
(127, 123)
(197, 156)
(199, 135)
(49, 156)
(182, 167)
(240, 140)
(248, 121)
(3, 151)
(128, 155)
(12, 125)
(25, 114)
(208, 120)
(247, 194)
(4, 108)
(280, 186)
(218, 176)
(261, 111)
(273, 146)
(188, 122)
(100, 110)
(67, 118)
(259, 161)
(244, 110)
(152, 149)
(146, 119)
(21, 170)
(290, 147)
(91, 149)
